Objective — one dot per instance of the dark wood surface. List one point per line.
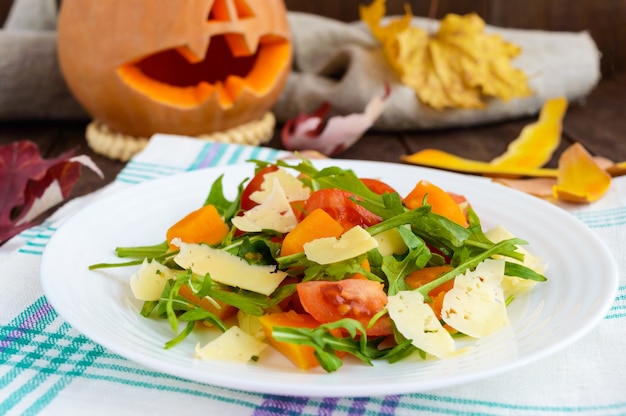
(603, 19)
(599, 123)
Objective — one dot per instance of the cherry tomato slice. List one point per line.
(337, 204)
(377, 186)
(253, 186)
(358, 299)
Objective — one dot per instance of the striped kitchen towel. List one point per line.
(47, 367)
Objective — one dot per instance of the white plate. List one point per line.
(100, 304)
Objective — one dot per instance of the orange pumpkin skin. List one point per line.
(186, 67)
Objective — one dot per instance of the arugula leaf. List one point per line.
(519, 270)
(250, 302)
(151, 251)
(325, 344)
(298, 264)
(415, 259)
(227, 209)
(470, 263)
(385, 206)
(391, 205)
(258, 251)
(181, 336)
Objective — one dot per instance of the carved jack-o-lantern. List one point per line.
(174, 66)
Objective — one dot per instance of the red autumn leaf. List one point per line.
(335, 134)
(29, 185)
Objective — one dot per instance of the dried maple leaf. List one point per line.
(459, 67)
(29, 185)
(335, 134)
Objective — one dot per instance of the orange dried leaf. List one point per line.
(458, 67)
(537, 141)
(580, 178)
(617, 169)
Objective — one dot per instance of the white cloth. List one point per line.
(343, 64)
(47, 367)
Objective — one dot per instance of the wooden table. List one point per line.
(599, 123)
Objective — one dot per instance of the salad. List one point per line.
(321, 264)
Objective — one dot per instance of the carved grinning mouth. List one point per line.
(171, 67)
(172, 78)
(177, 78)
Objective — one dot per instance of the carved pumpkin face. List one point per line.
(174, 66)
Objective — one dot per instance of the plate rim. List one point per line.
(352, 391)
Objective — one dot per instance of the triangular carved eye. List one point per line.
(230, 10)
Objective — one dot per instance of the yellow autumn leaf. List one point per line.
(524, 156)
(537, 142)
(459, 67)
(443, 160)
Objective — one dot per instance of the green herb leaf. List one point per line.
(521, 271)
(416, 258)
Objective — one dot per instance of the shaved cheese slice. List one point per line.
(293, 188)
(390, 242)
(514, 285)
(234, 345)
(229, 269)
(352, 243)
(250, 324)
(416, 321)
(149, 281)
(475, 305)
(274, 213)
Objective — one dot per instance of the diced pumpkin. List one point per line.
(301, 355)
(442, 203)
(318, 224)
(580, 178)
(204, 225)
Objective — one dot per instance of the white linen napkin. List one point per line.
(47, 367)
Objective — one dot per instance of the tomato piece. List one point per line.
(358, 299)
(426, 275)
(377, 186)
(253, 186)
(337, 203)
(459, 199)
